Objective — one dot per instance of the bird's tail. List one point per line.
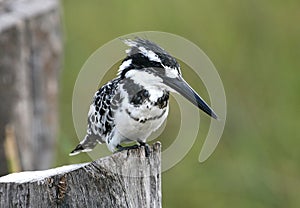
(86, 145)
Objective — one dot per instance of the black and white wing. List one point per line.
(100, 117)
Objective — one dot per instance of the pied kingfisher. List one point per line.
(136, 103)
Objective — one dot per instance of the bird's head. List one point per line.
(147, 64)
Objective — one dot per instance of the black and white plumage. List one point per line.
(136, 103)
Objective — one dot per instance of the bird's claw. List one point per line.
(142, 144)
(147, 148)
(121, 148)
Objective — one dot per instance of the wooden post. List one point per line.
(30, 56)
(125, 179)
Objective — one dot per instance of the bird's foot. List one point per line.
(147, 148)
(121, 148)
(142, 144)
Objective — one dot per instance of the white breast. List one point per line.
(137, 123)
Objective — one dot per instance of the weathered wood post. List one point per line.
(125, 179)
(30, 56)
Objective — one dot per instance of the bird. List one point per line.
(131, 106)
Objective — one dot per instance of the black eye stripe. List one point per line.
(139, 61)
(146, 54)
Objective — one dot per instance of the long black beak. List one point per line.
(183, 88)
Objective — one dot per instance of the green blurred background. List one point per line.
(255, 45)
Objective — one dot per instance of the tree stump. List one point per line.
(30, 57)
(124, 179)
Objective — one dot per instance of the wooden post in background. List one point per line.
(125, 179)
(30, 59)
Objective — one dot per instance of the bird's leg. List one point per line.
(147, 148)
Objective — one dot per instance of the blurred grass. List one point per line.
(255, 47)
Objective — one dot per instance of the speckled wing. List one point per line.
(100, 116)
